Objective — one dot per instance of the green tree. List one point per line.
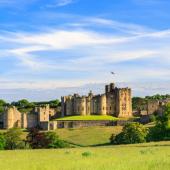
(2, 105)
(131, 133)
(13, 138)
(2, 141)
(37, 139)
(161, 131)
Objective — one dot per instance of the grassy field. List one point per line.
(153, 156)
(88, 136)
(89, 117)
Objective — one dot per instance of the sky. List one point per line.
(58, 47)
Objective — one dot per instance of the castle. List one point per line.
(39, 117)
(115, 101)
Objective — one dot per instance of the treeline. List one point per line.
(26, 106)
(139, 103)
(13, 139)
(137, 133)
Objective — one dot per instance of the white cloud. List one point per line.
(60, 3)
(87, 52)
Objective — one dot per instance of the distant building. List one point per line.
(115, 101)
(39, 117)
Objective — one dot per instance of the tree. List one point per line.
(138, 103)
(161, 131)
(38, 139)
(2, 141)
(35, 138)
(2, 105)
(13, 138)
(131, 133)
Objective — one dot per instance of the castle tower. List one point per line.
(43, 113)
(9, 118)
(12, 118)
(88, 103)
(102, 107)
(82, 106)
(124, 103)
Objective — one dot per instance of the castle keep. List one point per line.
(115, 101)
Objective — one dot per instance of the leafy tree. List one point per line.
(2, 105)
(35, 138)
(2, 102)
(161, 131)
(131, 133)
(138, 103)
(2, 141)
(13, 138)
(38, 139)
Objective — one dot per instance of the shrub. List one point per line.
(53, 141)
(152, 118)
(86, 154)
(131, 133)
(13, 138)
(2, 141)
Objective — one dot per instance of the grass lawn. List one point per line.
(88, 136)
(89, 117)
(153, 156)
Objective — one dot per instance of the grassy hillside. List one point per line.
(89, 117)
(88, 136)
(154, 156)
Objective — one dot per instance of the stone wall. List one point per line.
(83, 123)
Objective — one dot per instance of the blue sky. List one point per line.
(51, 47)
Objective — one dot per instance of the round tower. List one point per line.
(103, 104)
(83, 106)
(9, 118)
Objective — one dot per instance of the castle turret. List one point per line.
(124, 103)
(43, 113)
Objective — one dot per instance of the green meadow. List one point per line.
(152, 156)
(88, 136)
(89, 117)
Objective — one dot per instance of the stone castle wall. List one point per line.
(115, 101)
(40, 116)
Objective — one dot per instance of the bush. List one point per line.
(2, 141)
(53, 141)
(132, 133)
(86, 154)
(152, 118)
(13, 138)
